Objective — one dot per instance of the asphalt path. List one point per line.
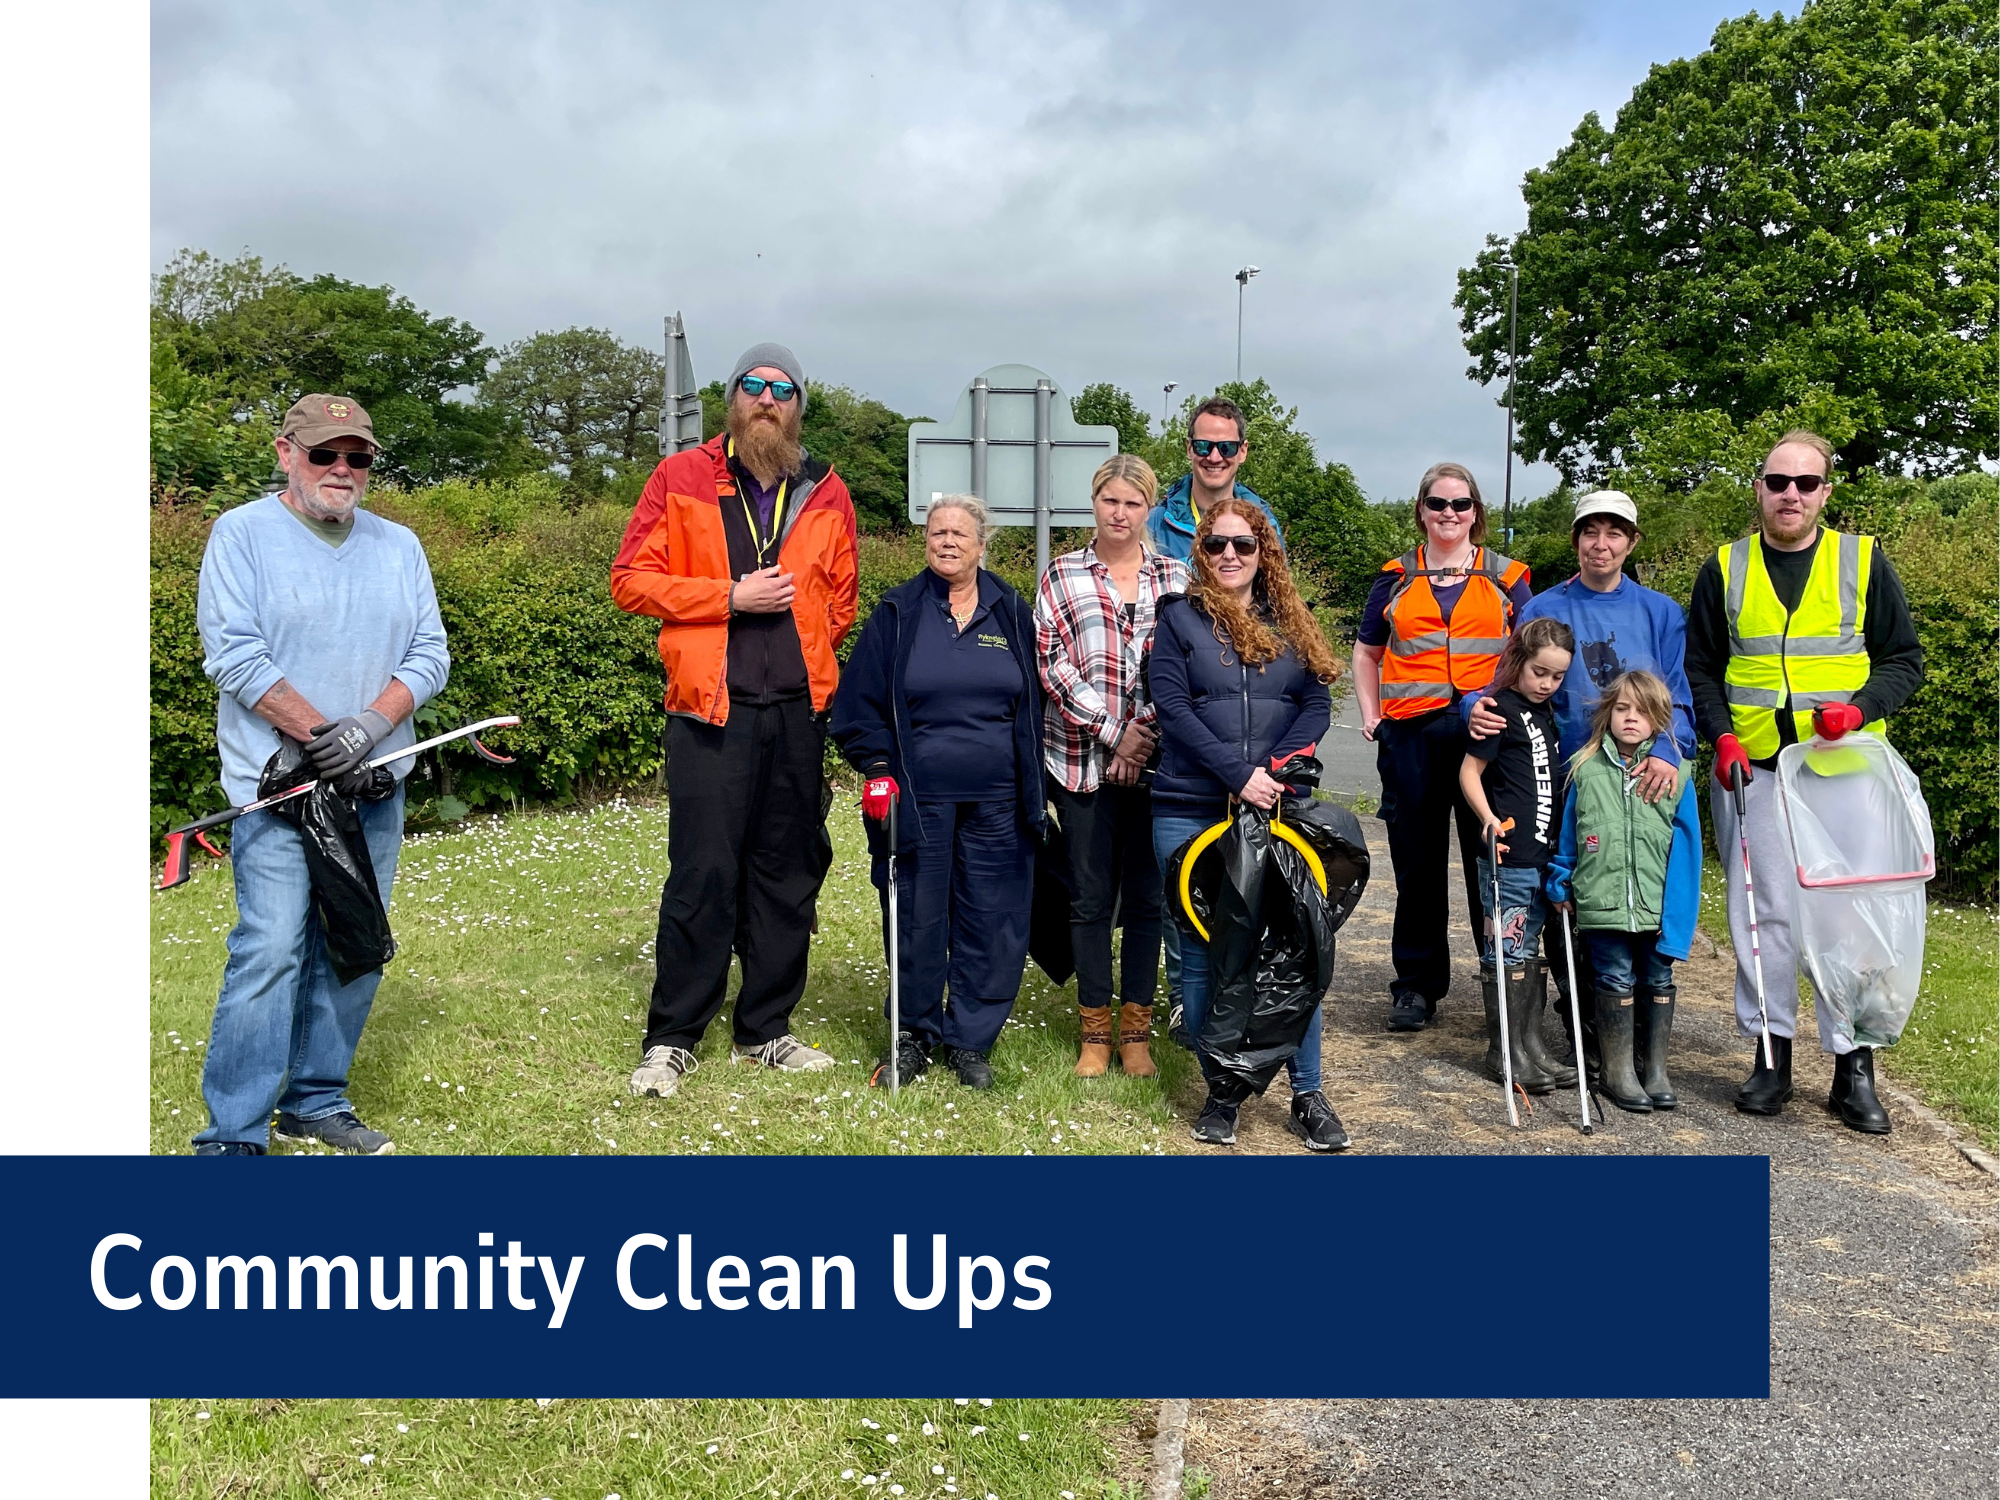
(1883, 1282)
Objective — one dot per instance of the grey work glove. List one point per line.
(338, 748)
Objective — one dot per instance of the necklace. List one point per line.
(960, 616)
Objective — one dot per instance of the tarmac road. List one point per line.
(1883, 1284)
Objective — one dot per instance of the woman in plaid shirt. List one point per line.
(1093, 626)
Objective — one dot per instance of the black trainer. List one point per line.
(913, 1060)
(342, 1132)
(972, 1068)
(1216, 1124)
(1313, 1119)
(228, 1148)
(1409, 1012)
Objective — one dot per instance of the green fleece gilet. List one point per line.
(1622, 844)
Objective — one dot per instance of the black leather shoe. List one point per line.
(1313, 1120)
(913, 1060)
(972, 1068)
(1765, 1091)
(1853, 1096)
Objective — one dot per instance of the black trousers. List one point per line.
(1114, 877)
(1419, 761)
(747, 852)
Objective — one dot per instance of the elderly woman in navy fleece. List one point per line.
(940, 706)
(1239, 673)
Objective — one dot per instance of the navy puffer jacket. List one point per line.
(1218, 718)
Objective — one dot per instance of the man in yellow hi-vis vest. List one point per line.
(1793, 632)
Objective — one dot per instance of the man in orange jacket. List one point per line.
(744, 549)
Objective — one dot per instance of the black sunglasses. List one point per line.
(1439, 504)
(1808, 484)
(323, 458)
(1215, 546)
(1227, 447)
(753, 387)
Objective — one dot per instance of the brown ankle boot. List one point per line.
(1135, 1026)
(1096, 1056)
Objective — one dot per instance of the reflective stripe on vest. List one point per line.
(1427, 659)
(1815, 655)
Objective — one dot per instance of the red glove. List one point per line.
(1729, 754)
(876, 796)
(1832, 720)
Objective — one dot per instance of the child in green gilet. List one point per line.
(1631, 874)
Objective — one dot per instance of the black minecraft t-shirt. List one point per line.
(1524, 780)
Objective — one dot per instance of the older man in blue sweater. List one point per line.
(318, 623)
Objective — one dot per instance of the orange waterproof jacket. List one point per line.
(1426, 658)
(674, 565)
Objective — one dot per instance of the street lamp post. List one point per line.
(1242, 280)
(1166, 391)
(1513, 311)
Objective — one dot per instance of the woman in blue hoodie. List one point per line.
(940, 705)
(1238, 672)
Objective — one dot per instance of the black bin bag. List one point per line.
(1269, 929)
(344, 894)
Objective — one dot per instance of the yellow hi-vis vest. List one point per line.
(1813, 655)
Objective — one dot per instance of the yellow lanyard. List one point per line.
(777, 515)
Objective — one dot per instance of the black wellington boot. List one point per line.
(1614, 1033)
(1489, 994)
(1853, 1097)
(1524, 1005)
(1765, 1091)
(1658, 1006)
(1533, 1046)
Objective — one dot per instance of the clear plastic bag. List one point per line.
(1862, 843)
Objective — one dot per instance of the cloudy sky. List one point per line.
(909, 194)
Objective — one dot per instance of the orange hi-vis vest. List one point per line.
(1427, 659)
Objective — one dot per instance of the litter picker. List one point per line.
(1576, 1023)
(1500, 976)
(176, 870)
(1750, 905)
(895, 968)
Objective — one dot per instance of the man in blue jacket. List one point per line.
(1216, 447)
(1620, 626)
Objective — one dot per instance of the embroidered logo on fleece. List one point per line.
(1590, 843)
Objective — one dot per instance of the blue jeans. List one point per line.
(1169, 833)
(285, 1029)
(1522, 913)
(1628, 961)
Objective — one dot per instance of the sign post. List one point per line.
(680, 406)
(1012, 442)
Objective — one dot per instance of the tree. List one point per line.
(1105, 405)
(587, 402)
(262, 337)
(1807, 207)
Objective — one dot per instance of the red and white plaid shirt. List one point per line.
(1090, 657)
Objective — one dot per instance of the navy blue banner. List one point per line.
(871, 1276)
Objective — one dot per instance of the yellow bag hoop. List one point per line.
(1215, 831)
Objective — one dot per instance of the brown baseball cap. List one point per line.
(314, 420)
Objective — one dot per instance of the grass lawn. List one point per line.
(634, 1450)
(1950, 1051)
(511, 1017)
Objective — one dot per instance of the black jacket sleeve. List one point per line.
(1708, 651)
(1895, 654)
(862, 723)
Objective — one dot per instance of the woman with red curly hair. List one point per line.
(1239, 673)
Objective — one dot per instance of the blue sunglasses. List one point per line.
(1227, 447)
(753, 386)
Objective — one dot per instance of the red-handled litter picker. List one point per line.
(176, 870)
(1736, 774)
(895, 968)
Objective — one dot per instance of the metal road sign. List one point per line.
(680, 410)
(1013, 443)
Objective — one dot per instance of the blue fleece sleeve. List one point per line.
(1680, 904)
(861, 723)
(426, 665)
(1167, 671)
(1671, 626)
(1562, 863)
(237, 657)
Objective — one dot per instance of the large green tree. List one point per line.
(262, 337)
(1804, 212)
(1107, 405)
(584, 400)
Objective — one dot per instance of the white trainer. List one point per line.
(662, 1070)
(786, 1053)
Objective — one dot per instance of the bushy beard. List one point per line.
(769, 447)
(311, 499)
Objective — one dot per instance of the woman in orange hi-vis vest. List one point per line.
(1432, 631)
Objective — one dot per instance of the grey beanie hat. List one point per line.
(778, 357)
